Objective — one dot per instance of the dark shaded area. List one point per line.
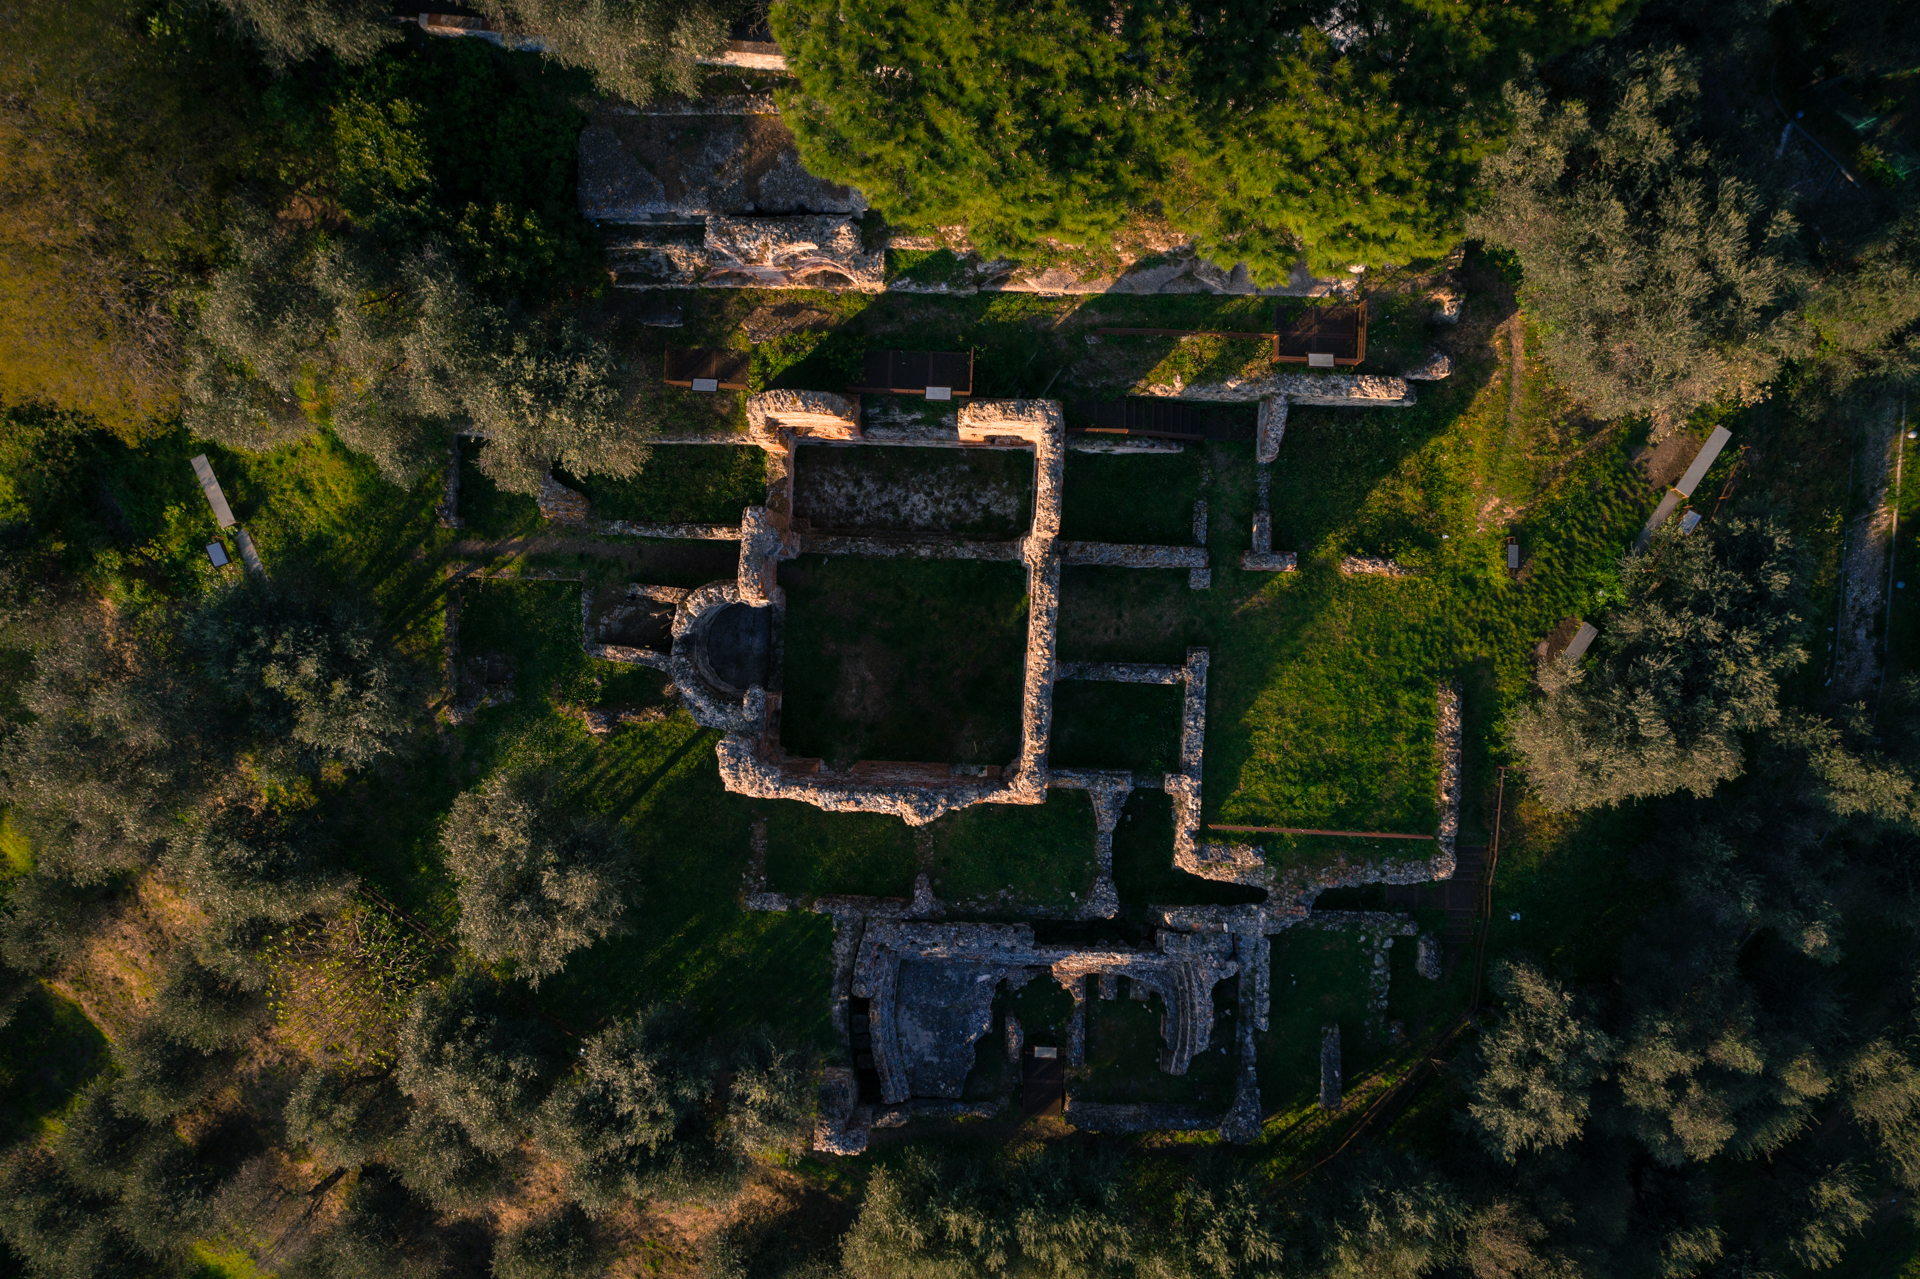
(1126, 726)
(681, 484)
(903, 660)
(1143, 868)
(976, 493)
(739, 641)
(913, 372)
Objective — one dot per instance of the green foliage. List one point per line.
(771, 1104)
(630, 1121)
(466, 1054)
(1537, 1065)
(1060, 123)
(347, 1118)
(1658, 280)
(163, 1076)
(271, 867)
(317, 681)
(289, 31)
(1689, 662)
(202, 1007)
(538, 878)
(57, 1228)
(438, 1161)
(691, 483)
(559, 1245)
(389, 350)
(376, 1233)
(635, 49)
(115, 747)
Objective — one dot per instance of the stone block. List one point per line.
(1427, 957)
(1373, 566)
(1434, 366)
(560, 504)
(819, 415)
(1330, 1085)
(1272, 428)
(816, 252)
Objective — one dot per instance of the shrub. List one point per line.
(557, 1246)
(538, 878)
(101, 1143)
(58, 1228)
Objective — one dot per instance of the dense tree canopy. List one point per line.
(1659, 278)
(1345, 134)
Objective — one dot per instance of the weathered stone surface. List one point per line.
(1120, 672)
(1434, 366)
(791, 253)
(560, 504)
(917, 546)
(1445, 305)
(833, 1131)
(1427, 957)
(1339, 390)
(1193, 715)
(764, 542)
(1272, 428)
(1330, 1084)
(820, 415)
(666, 166)
(675, 532)
(1373, 566)
(745, 771)
(1122, 555)
(1447, 744)
(1262, 558)
(710, 702)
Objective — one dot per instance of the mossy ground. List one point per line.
(906, 660)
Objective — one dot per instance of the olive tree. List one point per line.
(399, 350)
(631, 1118)
(313, 676)
(1688, 663)
(538, 877)
(1660, 280)
(466, 1054)
(1537, 1065)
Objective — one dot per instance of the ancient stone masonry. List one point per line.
(1121, 672)
(1330, 1084)
(924, 546)
(1271, 430)
(704, 683)
(1378, 928)
(1121, 555)
(675, 532)
(773, 417)
(1434, 366)
(930, 990)
(1446, 734)
(790, 253)
(1261, 559)
(1337, 390)
(1374, 566)
(560, 504)
(754, 765)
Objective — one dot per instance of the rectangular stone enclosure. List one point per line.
(918, 661)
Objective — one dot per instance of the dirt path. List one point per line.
(1856, 667)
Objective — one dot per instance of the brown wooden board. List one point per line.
(912, 372)
(1339, 331)
(1154, 417)
(685, 364)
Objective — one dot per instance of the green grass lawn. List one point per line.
(1037, 854)
(905, 660)
(1131, 497)
(1318, 978)
(811, 852)
(486, 511)
(1127, 726)
(682, 484)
